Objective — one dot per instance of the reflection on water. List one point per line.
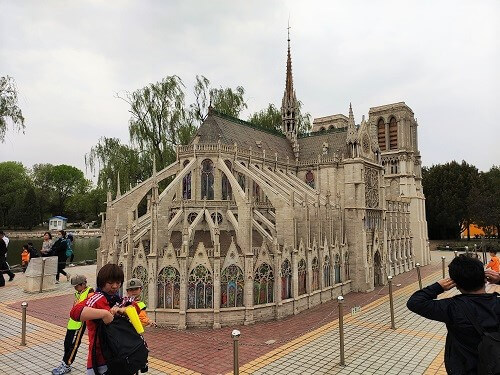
(84, 248)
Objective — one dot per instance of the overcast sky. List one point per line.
(69, 58)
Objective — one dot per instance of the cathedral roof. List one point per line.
(230, 130)
(311, 145)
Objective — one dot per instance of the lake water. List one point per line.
(84, 248)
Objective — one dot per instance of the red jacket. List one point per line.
(96, 301)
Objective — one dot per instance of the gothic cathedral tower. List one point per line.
(289, 107)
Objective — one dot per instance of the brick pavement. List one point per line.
(303, 343)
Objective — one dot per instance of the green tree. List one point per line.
(447, 188)
(8, 107)
(14, 183)
(41, 177)
(87, 206)
(484, 201)
(270, 119)
(66, 181)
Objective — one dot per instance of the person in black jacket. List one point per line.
(59, 249)
(467, 274)
(3, 261)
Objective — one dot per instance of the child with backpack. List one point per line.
(75, 330)
(103, 312)
(134, 290)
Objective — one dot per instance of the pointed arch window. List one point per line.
(315, 274)
(227, 192)
(207, 179)
(310, 179)
(232, 287)
(393, 134)
(336, 268)
(263, 285)
(256, 192)
(186, 184)
(200, 288)
(381, 134)
(327, 272)
(141, 273)
(286, 280)
(168, 287)
(302, 273)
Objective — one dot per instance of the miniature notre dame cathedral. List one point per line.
(258, 225)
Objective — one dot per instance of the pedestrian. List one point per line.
(3, 263)
(69, 252)
(7, 268)
(46, 244)
(59, 249)
(494, 262)
(459, 312)
(103, 305)
(25, 257)
(75, 330)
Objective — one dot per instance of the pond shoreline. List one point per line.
(81, 233)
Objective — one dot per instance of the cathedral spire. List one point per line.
(289, 102)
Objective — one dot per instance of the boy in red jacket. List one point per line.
(104, 304)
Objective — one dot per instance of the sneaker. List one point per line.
(12, 278)
(62, 369)
(71, 265)
(57, 281)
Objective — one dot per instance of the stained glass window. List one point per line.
(186, 184)
(263, 285)
(327, 274)
(226, 186)
(168, 288)
(207, 179)
(231, 288)
(200, 288)
(302, 272)
(141, 273)
(315, 274)
(337, 269)
(286, 280)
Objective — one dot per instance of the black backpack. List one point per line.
(124, 350)
(488, 348)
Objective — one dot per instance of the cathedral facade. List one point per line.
(256, 225)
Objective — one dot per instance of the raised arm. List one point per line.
(424, 303)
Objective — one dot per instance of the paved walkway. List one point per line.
(306, 343)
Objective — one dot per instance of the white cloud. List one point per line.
(70, 58)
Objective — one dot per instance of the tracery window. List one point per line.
(346, 266)
(231, 287)
(200, 288)
(337, 268)
(227, 192)
(327, 274)
(302, 272)
(263, 285)
(286, 280)
(141, 273)
(256, 192)
(169, 288)
(186, 184)
(315, 274)
(216, 217)
(310, 179)
(207, 179)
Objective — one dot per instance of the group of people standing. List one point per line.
(62, 247)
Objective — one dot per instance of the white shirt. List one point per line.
(6, 240)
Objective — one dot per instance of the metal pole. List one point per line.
(391, 303)
(475, 251)
(467, 250)
(443, 266)
(340, 300)
(456, 253)
(419, 276)
(43, 274)
(235, 335)
(24, 305)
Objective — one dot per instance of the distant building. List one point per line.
(57, 223)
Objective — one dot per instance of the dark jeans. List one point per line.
(59, 271)
(4, 268)
(72, 342)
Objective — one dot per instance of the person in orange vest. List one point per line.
(75, 330)
(25, 257)
(494, 263)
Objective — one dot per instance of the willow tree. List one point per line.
(9, 109)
